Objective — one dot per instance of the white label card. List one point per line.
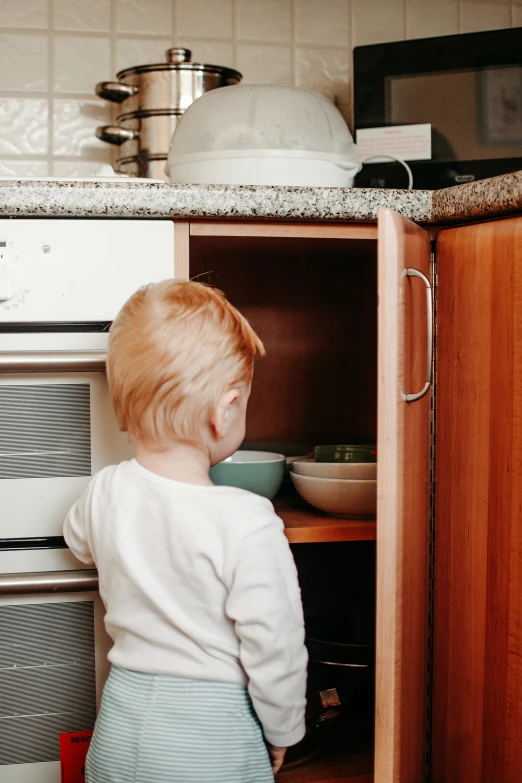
(407, 142)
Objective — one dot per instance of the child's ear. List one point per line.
(220, 420)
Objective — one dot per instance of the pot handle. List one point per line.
(113, 134)
(116, 92)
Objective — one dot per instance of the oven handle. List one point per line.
(52, 361)
(49, 582)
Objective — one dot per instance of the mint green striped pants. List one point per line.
(156, 728)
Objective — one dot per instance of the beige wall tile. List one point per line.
(210, 52)
(23, 62)
(377, 21)
(517, 15)
(326, 22)
(477, 16)
(75, 122)
(144, 16)
(426, 18)
(25, 126)
(270, 20)
(328, 72)
(24, 14)
(140, 51)
(24, 168)
(262, 64)
(79, 63)
(205, 18)
(93, 15)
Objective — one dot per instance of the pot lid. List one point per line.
(179, 59)
(262, 120)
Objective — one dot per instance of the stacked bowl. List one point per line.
(340, 480)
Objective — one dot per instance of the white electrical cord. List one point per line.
(397, 160)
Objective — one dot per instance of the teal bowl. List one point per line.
(261, 472)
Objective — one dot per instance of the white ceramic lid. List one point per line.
(263, 120)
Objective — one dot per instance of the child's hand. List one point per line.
(277, 756)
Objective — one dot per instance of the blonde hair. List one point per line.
(174, 349)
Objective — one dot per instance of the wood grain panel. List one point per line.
(314, 306)
(305, 524)
(181, 249)
(402, 506)
(259, 228)
(477, 702)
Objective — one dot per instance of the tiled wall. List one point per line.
(52, 53)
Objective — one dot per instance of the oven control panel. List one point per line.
(10, 274)
(79, 270)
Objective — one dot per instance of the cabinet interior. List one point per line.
(313, 302)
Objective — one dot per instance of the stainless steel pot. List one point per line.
(141, 133)
(154, 97)
(147, 166)
(170, 86)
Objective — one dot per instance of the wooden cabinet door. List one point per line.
(403, 503)
(477, 667)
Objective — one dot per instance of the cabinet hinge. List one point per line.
(431, 516)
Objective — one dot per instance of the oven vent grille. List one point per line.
(45, 430)
(47, 678)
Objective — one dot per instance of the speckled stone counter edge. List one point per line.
(36, 198)
(492, 197)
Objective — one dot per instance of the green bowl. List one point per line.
(261, 472)
(347, 453)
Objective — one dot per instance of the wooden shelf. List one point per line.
(334, 767)
(285, 230)
(305, 524)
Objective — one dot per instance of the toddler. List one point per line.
(202, 601)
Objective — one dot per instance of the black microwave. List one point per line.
(468, 87)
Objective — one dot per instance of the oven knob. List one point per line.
(10, 280)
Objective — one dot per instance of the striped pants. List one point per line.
(155, 728)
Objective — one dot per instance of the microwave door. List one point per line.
(56, 430)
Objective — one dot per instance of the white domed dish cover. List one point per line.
(262, 134)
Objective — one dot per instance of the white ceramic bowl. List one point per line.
(263, 134)
(335, 470)
(339, 497)
(287, 169)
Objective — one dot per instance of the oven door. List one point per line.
(57, 428)
(53, 659)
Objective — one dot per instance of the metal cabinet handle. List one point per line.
(49, 582)
(52, 361)
(417, 396)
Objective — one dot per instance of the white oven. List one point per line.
(61, 284)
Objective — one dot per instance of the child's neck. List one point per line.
(180, 462)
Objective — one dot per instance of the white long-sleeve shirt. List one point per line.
(199, 582)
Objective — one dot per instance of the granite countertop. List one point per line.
(138, 199)
(492, 197)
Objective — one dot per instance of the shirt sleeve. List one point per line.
(76, 526)
(265, 604)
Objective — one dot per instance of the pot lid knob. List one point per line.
(178, 55)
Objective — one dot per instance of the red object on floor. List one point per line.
(73, 750)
